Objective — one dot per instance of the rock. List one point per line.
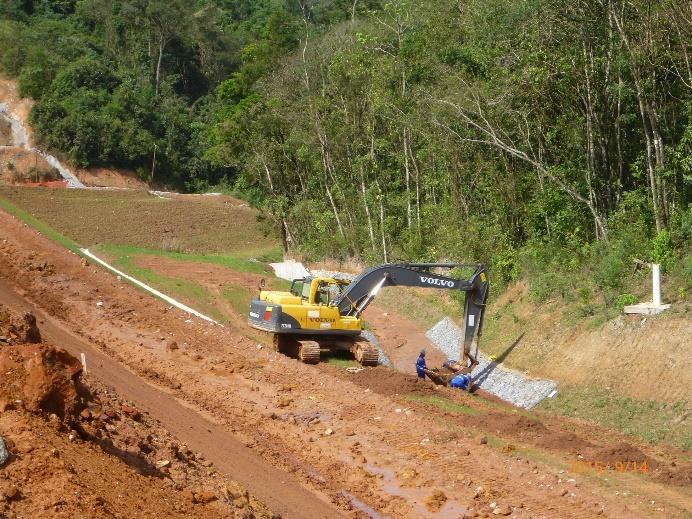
(241, 502)
(284, 401)
(564, 493)
(171, 345)
(85, 415)
(31, 333)
(328, 432)
(47, 378)
(407, 475)
(109, 414)
(205, 496)
(9, 492)
(502, 510)
(4, 453)
(234, 491)
(434, 501)
(484, 440)
(478, 492)
(187, 495)
(347, 431)
(132, 412)
(163, 463)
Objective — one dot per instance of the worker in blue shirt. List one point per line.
(420, 365)
(461, 381)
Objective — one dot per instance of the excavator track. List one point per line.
(304, 350)
(309, 352)
(365, 353)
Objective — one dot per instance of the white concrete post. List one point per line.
(656, 282)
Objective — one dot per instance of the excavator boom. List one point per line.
(360, 293)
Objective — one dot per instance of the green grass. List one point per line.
(192, 293)
(444, 404)
(652, 421)
(340, 359)
(238, 297)
(37, 224)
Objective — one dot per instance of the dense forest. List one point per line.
(549, 138)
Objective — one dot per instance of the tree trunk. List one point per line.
(660, 162)
(158, 64)
(371, 230)
(408, 179)
(382, 230)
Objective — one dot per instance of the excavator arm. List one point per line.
(361, 292)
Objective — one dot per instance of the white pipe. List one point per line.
(656, 283)
(149, 289)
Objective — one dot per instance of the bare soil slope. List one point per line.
(77, 450)
(645, 357)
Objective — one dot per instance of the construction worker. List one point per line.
(461, 381)
(420, 365)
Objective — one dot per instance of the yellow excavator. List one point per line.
(325, 313)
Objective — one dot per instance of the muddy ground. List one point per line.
(312, 441)
(77, 449)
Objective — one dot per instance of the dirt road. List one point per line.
(278, 489)
(377, 441)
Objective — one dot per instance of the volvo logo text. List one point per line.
(436, 281)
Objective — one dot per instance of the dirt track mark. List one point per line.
(273, 486)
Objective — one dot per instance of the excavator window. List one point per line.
(323, 293)
(297, 287)
(307, 283)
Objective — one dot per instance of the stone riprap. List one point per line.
(509, 385)
(382, 359)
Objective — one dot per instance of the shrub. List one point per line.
(662, 250)
(624, 300)
(506, 267)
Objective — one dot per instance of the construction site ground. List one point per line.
(307, 441)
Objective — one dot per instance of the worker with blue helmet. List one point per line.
(420, 365)
(461, 381)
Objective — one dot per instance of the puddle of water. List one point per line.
(357, 503)
(450, 510)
